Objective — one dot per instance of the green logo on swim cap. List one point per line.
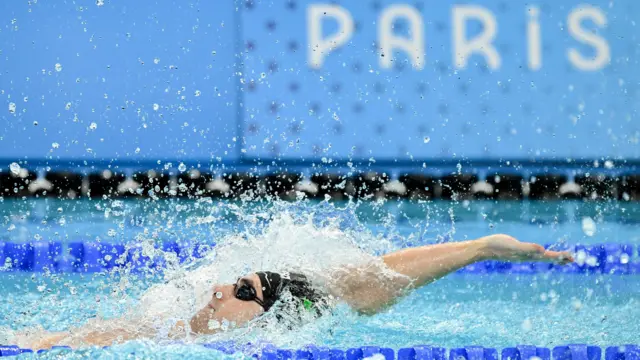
(307, 304)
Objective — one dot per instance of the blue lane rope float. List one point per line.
(527, 352)
(93, 257)
(423, 352)
(89, 257)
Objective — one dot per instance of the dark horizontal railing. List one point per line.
(336, 184)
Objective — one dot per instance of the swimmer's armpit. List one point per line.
(368, 288)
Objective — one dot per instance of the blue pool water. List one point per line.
(497, 310)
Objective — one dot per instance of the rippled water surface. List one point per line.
(491, 310)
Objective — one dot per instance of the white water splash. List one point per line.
(588, 226)
(15, 168)
(283, 246)
(276, 239)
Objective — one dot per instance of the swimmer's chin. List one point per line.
(199, 323)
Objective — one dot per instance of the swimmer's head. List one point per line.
(251, 296)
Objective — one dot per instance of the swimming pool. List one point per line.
(491, 309)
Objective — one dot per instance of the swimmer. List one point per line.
(366, 289)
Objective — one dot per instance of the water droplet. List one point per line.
(218, 295)
(214, 52)
(182, 167)
(93, 126)
(156, 107)
(427, 139)
(213, 324)
(35, 123)
(58, 67)
(59, 209)
(197, 92)
(11, 227)
(67, 106)
(89, 150)
(137, 150)
(263, 75)
(12, 108)
(156, 61)
(577, 304)
(99, 2)
(588, 226)
(624, 258)
(55, 145)
(111, 232)
(581, 257)
(15, 168)
(42, 288)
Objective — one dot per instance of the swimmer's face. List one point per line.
(224, 306)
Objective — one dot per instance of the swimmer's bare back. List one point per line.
(366, 288)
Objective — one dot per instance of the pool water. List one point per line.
(493, 310)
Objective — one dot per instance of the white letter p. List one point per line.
(319, 47)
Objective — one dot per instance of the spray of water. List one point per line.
(319, 240)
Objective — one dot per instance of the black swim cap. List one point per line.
(273, 284)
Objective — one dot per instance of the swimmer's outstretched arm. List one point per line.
(428, 263)
(103, 333)
(369, 292)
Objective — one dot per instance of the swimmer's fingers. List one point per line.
(538, 252)
(506, 248)
(560, 257)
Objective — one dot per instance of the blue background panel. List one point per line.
(351, 106)
(230, 80)
(117, 59)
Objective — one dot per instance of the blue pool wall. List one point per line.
(228, 82)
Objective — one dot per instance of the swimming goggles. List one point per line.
(246, 292)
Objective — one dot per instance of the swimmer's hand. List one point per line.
(506, 248)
